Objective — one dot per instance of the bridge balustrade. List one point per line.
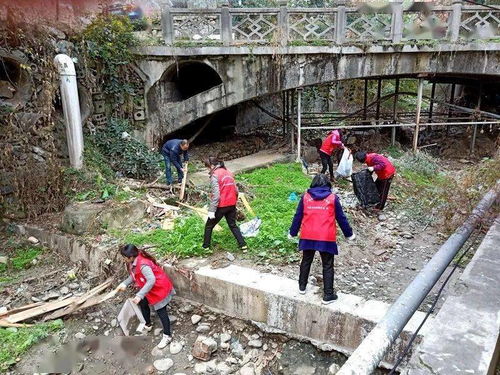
(285, 26)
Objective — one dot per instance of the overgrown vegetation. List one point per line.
(124, 153)
(21, 259)
(107, 41)
(271, 187)
(16, 341)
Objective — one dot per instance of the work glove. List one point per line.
(370, 169)
(121, 287)
(290, 237)
(352, 238)
(211, 215)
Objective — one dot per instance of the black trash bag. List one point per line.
(365, 188)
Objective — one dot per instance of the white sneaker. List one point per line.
(164, 341)
(302, 291)
(143, 327)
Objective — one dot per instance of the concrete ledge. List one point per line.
(404, 47)
(274, 301)
(76, 250)
(463, 337)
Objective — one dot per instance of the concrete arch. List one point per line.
(246, 76)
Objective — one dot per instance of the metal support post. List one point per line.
(431, 106)
(299, 120)
(452, 99)
(379, 91)
(474, 130)
(419, 108)
(365, 100)
(283, 111)
(372, 349)
(394, 112)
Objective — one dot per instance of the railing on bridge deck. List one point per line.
(284, 26)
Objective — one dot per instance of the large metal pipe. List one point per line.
(71, 109)
(372, 350)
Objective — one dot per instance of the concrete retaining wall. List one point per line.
(274, 301)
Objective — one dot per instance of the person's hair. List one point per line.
(184, 142)
(360, 156)
(131, 251)
(321, 180)
(212, 161)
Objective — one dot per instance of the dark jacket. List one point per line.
(320, 193)
(172, 150)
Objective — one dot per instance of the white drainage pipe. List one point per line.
(71, 109)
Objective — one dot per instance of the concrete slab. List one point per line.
(247, 163)
(275, 303)
(463, 337)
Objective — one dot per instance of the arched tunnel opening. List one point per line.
(10, 75)
(189, 78)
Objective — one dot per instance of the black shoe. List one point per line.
(327, 299)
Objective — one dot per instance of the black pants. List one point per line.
(326, 162)
(383, 189)
(305, 268)
(162, 313)
(230, 214)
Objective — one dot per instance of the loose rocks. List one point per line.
(163, 364)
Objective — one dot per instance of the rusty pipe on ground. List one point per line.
(373, 348)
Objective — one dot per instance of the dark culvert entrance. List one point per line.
(189, 78)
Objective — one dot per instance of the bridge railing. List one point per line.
(284, 26)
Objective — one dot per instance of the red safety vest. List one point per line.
(227, 187)
(163, 285)
(387, 171)
(318, 222)
(327, 146)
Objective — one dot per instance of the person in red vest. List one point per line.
(155, 288)
(316, 218)
(223, 199)
(384, 170)
(331, 144)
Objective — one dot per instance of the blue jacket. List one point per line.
(320, 193)
(172, 150)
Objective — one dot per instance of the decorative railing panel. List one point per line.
(312, 25)
(254, 27)
(200, 27)
(479, 23)
(284, 26)
(364, 27)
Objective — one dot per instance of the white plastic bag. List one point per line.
(345, 166)
(251, 228)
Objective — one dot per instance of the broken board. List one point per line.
(128, 311)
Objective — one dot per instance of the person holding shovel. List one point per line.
(315, 218)
(384, 170)
(223, 199)
(331, 144)
(155, 288)
(171, 152)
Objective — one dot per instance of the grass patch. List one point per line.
(22, 259)
(15, 342)
(271, 187)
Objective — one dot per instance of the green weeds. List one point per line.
(16, 341)
(271, 187)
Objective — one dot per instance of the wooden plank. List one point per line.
(39, 310)
(21, 308)
(74, 306)
(6, 324)
(202, 213)
(246, 204)
(183, 185)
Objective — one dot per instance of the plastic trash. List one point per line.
(251, 228)
(293, 197)
(128, 311)
(365, 188)
(345, 166)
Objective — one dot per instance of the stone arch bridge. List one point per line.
(202, 61)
